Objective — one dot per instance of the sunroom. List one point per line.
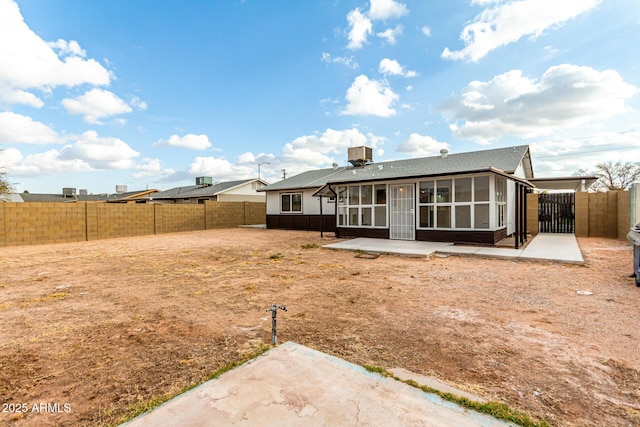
(473, 208)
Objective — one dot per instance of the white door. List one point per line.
(401, 212)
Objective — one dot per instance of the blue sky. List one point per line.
(151, 94)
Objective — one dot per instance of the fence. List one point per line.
(605, 214)
(41, 223)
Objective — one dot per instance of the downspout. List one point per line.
(321, 220)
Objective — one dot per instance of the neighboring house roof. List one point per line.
(40, 197)
(203, 190)
(35, 197)
(504, 160)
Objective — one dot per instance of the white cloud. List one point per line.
(95, 105)
(19, 129)
(567, 156)
(99, 152)
(68, 48)
(212, 166)
(347, 61)
(311, 152)
(152, 168)
(511, 104)
(421, 146)
(46, 163)
(190, 141)
(392, 67)
(507, 22)
(360, 27)
(370, 97)
(387, 9)
(28, 62)
(426, 31)
(390, 34)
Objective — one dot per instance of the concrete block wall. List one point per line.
(3, 241)
(29, 223)
(42, 223)
(624, 214)
(224, 214)
(183, 217)
(255, 213)
(124, 219)
(582, 214)
(532, 214)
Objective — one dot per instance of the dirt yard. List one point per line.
(92, 329)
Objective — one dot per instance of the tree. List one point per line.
(614, 175)
(5, 185)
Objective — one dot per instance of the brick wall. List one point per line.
(41, 223)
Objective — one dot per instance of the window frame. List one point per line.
(290, 195)
(347, 210)
(433, 204)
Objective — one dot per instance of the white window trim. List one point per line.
(491, 203)
(291, 211)
(347, 205)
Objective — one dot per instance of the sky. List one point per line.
(151, 94)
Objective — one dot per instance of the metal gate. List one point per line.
(556, 213)
(401, 212)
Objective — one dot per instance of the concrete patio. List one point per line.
(293, 385)
(543, 247)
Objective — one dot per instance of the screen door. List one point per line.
(401, 212)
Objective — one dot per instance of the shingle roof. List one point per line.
(504, 159)
(35, 197)
(199, 190)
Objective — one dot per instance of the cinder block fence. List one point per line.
(42, 223)
(596, 214)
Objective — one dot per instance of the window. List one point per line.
(501, 201)
(291, 203)
(454, 203)
(362, 205)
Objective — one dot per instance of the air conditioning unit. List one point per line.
(360, 156)
(204, 180)
(69, 192)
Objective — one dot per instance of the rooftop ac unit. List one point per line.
(204, 180)
(68, 192)
(359, 156)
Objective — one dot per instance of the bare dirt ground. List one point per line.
(92, 329)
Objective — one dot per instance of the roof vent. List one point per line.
(334, 165)
(360, 156)
(444, 152)
(205, 181)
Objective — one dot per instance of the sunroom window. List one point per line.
(362, 205)
(454, 203)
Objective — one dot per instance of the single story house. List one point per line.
(475, 197)
(70, 195)
(245, 190)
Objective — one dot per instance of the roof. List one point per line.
(504, 160)
(575, 183)
(42, 197)
(202, 190)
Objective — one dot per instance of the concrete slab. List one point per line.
(435, 383)
(544, 246)
(292, 385)
(399, 247)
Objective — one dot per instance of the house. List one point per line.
(70, 195)
(231, 191)
(475, 197)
